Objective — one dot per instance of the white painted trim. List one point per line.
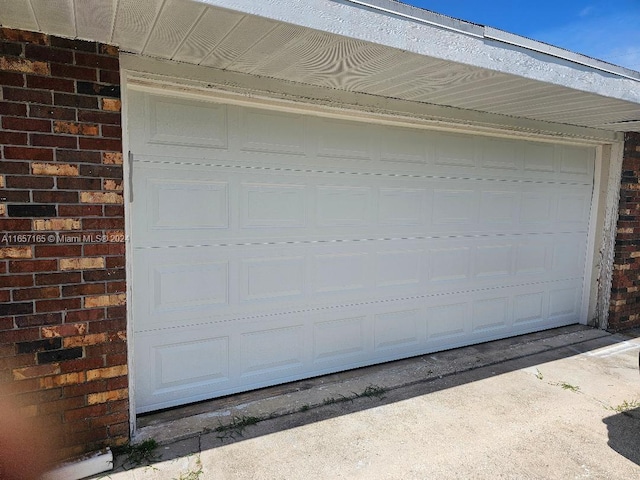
(127, 186)
(591, 240)
(609, 231)
(87, 466)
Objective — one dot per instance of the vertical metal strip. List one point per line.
(130, 176)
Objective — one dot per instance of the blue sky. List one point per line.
(605, 29)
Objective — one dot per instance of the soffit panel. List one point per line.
(197, 33)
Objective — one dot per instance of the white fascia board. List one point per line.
(440, 37)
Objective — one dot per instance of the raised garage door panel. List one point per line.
(270, 246)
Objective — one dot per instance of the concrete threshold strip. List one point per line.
(272, 402)
(183, 423)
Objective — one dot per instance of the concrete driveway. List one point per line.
(558, 404)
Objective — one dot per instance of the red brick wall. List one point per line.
(63, 353)
(624, 310)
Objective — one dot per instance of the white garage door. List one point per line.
(272, 246)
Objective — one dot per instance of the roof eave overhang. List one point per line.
(376, 47)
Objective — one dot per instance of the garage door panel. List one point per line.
(307, 142)
(271, 132)
(275, 348)
(182, 122)
(262, 352)
(272, 246)
(192, 285)
(191, 206)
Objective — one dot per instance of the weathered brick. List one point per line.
(101, 197)
(103, 397)
(16, 252)
(85, 412)
(111, 50)
(81, 156)
(59, 141)
(51, 99)
(15, 225)
(80, 210)
(90, 116)
(15, 94)
(24, 36)
(57, 251)
(112, 185)
(111, 131)
(23, 65)
(28, 153)
(112, 158)
(58, 278)
(58, 305)
(57, 224)
(86, 315)
(84, 340)
(105, 300)
(82, 263)
(108, 372)
(15, 308)
(96, 143)
(54, 113)
(39, 320)
(99, 61)
(72, 378)
(24, 266)
(82, 364)
(111, 104)
(13, 138)
(57, 84)
(47, 54)
(42, 183)
(13, 109)
(55, 197)
(11, 79)
(75, 128)
(36, 293)
(79, 183)
(69, 71)
(16, 281)
(66, 330)
(26, 124)
(37, 371)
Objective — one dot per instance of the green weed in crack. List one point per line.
(138, 454)
(372, 391)
(625, 406)
(236, 427)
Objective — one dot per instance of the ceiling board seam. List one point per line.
(75, 18)
(113, 21)
(188, 34)
(153, 26)
(35, 17)
(226, 35)
(239, 57)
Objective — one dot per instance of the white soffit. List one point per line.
(377, 47)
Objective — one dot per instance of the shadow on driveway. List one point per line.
(624, 432)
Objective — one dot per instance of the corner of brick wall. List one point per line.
(624, 310)
(63, 355)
